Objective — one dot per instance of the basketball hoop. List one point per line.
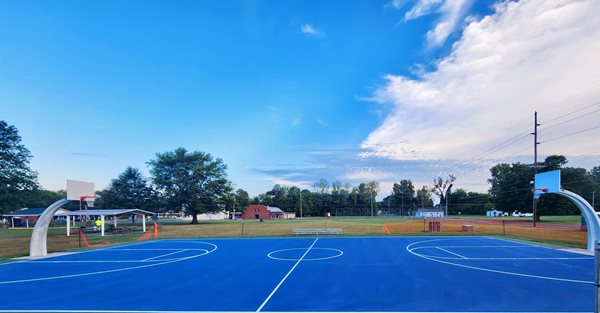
(89, 200)
(543, 190)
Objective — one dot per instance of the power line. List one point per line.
(571, 134)
(572, 119)
(573, 112)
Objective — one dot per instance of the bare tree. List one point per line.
(441, 186)
(321, 186)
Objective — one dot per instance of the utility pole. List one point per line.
(300, 203)
(371, 200)
(535, 144)
(402, 201)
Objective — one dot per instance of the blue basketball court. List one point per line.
(327, 274)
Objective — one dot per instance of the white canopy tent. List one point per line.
(105, 213)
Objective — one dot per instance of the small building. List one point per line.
(288, 215)
(494, 213)
(235, 215)
(265, 212)
(26, 217)
(430, 213)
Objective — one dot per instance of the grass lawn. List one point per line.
(15, 243)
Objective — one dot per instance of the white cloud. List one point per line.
(367, 174)
(311, 30)
(528, 55)
(323, 123)
(421, 8)
(451, 13)
(289, 183)
(396, 4)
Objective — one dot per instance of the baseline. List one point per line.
(150, 263)
(410, 249)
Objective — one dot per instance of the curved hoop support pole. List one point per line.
(38, 246)
(589, 214)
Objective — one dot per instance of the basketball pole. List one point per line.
(597, 280)
(535, 144)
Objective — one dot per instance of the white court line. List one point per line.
(160, 256)
(56, 255)
(157, 249)
(475, 247)
(450, 252)
(286, 276)
(410, 250)
(92, 261)
(163, 311)
(161, 262)
(582, 258)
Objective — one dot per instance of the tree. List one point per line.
(424, 197)
(441, 187)
(336, 186)
(277, 197)
(573, 179)
(554, 162)
(242, 199)
(130, 190)
(16, 176)
(402, 196)
(595, 174)
(462, 202)
(510, 188)
(321, 186)
(193, 182)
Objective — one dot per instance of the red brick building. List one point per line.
(260, 211)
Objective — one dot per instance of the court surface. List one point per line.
(327, 274)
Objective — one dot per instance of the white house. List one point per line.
(430, 213)
(495, 213)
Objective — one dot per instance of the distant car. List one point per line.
(519, 214)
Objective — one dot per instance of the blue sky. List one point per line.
(290, 91)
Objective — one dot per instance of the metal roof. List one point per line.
(107, 212)
(63, 212)
(430, 210)
(273, 209)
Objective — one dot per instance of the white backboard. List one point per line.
(547, 180)
(76, 189)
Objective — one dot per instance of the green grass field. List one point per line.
(15, 242)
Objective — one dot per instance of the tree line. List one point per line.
(195, 182)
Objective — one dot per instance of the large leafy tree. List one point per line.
(402, 196)
(424, 197)
(461, 201)
(242, 199)
(278, 197)
(15, 174)
(129, 191)
(39, 198)
(190, 181)
(511, 188)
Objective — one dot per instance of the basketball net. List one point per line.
(89, 201)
